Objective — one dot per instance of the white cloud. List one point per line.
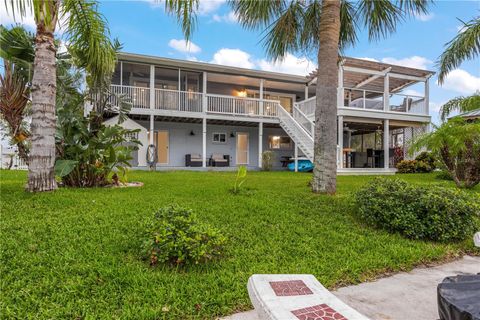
(6, 18)
(230, 17)
(184, 46)
(291, 65)
(424, 17)
(412, 62)
(207, 6)
(367, 58)
(461, 81)
(233, 58)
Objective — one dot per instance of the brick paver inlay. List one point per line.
(290, 288)
(318, 312)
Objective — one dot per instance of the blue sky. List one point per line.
(143, 27)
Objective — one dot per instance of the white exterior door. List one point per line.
(242, 148)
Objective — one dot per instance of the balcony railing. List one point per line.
(187, 101)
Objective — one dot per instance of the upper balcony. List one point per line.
(378, 90)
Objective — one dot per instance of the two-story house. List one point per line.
(201, 114)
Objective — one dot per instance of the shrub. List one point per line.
(406, 166)
(443, 175)
(432, 213)
(422, 167)
(239, 179)
(428, 158)
(175, 235)
(267, 160)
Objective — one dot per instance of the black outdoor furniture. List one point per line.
(459, 298)
(220, 160)
(193, 160)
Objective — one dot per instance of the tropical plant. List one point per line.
(88, 35)
(17, 52)
(460, 104)
(465, 46)
(177, 236)
(267, 160)
(325, 27)
(456, 143)
(239, 179)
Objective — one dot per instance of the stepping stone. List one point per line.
(296, 297)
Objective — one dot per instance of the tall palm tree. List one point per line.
(88, 35)
(325, 27)
(465, 46)
(460, 104)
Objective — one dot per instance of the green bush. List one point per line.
(428, 158)
(444, 175)
(432, 213)
(406, 166)
(176, 236)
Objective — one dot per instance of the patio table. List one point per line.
(459, 298)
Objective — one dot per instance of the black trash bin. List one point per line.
(459, 298)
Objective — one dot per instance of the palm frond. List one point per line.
(348, 30)
(465, 46)
(380, 18)
(254, 14)
(18, 46)
(460, 104)
(413, 7)
(184, 11)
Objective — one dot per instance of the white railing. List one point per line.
(364, 99)
(308, 106)
(140, 97)
(407, 103)
(303, 120)
(14, 160)
(300, 136)
(178, 100)
(241, 106)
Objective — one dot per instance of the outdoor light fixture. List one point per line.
(192, 133)
(242, 93)
(232, 135)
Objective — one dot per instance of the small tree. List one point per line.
(457, 144)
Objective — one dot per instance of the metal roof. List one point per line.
(470, 114)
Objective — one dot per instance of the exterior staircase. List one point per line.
(299, 128)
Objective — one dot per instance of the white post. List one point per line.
(306, 92)
(386, 93)
(152, 87)
(340, 141)
(340, 90)
(386, 143)
(204, 100)
(152, 129)
(204, 143)
(426, 99)
(261, 96)
(179, 88)
(121, 73)
(296, 158)
(260, 144)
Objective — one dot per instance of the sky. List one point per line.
(143, 27)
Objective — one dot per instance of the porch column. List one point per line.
(340, 90)
(260, 144)
(121, 73)
(152, 87)
(340, 141)
(204, 143)
(386, 93)
(261, 96)
(204, 96)
(426, 95)
(386, 143)
(296, 157)
(306, 92)
(152, 128)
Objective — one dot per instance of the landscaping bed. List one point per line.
(76, 253)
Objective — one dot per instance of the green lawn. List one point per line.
(74, 253)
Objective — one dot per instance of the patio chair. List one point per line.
(220, 160)
(193, 160)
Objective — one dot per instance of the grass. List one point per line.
(74, 253)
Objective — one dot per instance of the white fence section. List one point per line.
(12, 161)
(178, 100)
(140, 97)
(407, 103)
(308, 106)
(241, 106)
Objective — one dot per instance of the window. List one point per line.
(280, 142)
(219, 137)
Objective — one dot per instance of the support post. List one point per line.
(260, 144)
(340, 141)
(306, 92)
(296, 158)
(386, 93)
(152, 87)
(261, 96)
(340, 89)
(204, 96)
(204, 142)
(386, 143)
(152, 129)
(121, 73)
(426, 98)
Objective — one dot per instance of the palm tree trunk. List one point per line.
(325, 146)
(41, 174)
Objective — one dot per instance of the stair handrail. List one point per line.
(310, 122)
(289, 116)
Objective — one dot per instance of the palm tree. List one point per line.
(460, 104)
(325, 27)
(465, 46)
(88, 35)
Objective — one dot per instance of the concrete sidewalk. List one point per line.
(403, 296)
